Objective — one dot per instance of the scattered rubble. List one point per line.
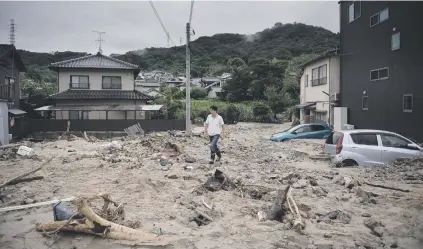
(169, 191)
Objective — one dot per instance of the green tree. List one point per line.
(198, 93)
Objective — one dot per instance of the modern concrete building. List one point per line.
(381, 62)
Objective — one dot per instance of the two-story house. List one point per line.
(381, 63)
(320, 86)
(97, 87)
(10, 67)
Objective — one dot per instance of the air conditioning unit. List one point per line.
(337, 97)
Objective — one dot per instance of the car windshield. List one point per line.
(290, 130)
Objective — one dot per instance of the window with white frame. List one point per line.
(379, 74)
(407, 102)
(379, 17)
(112, 82)
(365, 103)
(396, 41)
(319, 76)
(80, 82)
(354, 11)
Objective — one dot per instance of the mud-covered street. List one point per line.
(161, 189)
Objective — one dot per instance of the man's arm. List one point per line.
(206, 126)
(222, 127)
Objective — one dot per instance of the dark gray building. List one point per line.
(381, 63)
(10, 67)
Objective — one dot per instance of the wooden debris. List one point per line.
(386, 187)
(93, 224)
(39, 204)
(277, 211)
(26, 173)
(29, 179)
(207, 205)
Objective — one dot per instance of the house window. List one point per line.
(319, 76)
(365, 103)
(379, 74)
(112, 82)
(379, 17)
(396, 41)
(306, 81)
(73, 114)
(354, 11)
(407, 101)
(79, 82)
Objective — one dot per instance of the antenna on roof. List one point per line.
(12, 30)
(100, 40)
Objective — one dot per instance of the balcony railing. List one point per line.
(79, 85)
(5, 92)
(320, 81)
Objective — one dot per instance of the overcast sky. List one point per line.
(62, 26)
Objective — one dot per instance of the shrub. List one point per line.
(261, 109)
(232, 114)
(198, 93)
(173, 108)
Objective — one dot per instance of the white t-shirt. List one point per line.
(215, 124)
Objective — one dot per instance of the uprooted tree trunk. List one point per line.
(93, 224)
(277, 211)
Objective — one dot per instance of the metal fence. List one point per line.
(27, 126)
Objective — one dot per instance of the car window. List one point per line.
(364, 138)
(303, 129)
(333, 137)
(389, 140)
(317, 128)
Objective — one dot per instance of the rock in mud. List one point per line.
(336, 215)
(300, 184)
(366, 215)
(324, 245)
(172, 176)
(339, 180)
(313, 182)
(164, 161)
(189, 159)
(375, 226)
(319, 191)
(28, 201)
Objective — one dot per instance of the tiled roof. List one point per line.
(100, 95)
(326, 54)
(95, 61)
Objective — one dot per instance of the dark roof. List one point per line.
(326, 54)
(6, 49)
(97, 61)
(100, 95)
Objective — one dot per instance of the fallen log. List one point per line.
(95, 225)
(29, 179)
(387, 187)
(277, 211)
(27, 173)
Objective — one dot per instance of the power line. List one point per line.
(161, 23)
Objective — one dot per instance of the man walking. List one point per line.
(214, 129)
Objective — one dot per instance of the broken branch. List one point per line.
(207, 205)
(26, 180)
(386, 187)
(26, 173)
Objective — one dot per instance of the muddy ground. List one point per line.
(339, 209)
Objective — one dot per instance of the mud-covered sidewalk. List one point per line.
(161, 189)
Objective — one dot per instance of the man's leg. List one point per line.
(213, 146)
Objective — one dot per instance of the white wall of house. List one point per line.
(310, 93)
(4, 123)
(96, 78)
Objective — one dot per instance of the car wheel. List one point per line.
(284, 140)
(349, 162)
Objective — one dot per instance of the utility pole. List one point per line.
(188, 85)
(12, 30)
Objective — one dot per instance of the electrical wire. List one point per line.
(161, 23)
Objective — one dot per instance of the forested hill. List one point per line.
(282, 41)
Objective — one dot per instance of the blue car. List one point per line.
(302, 131)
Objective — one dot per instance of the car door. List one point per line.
(303, 131)
(318, 131)
(395, 147)
(367, 148)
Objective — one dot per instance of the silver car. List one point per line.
(369, 147)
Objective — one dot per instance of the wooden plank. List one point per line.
(39, 204)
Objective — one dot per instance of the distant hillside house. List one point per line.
(97, 87)
(320, 86)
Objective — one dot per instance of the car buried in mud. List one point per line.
(303, 131)
(369, 147)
